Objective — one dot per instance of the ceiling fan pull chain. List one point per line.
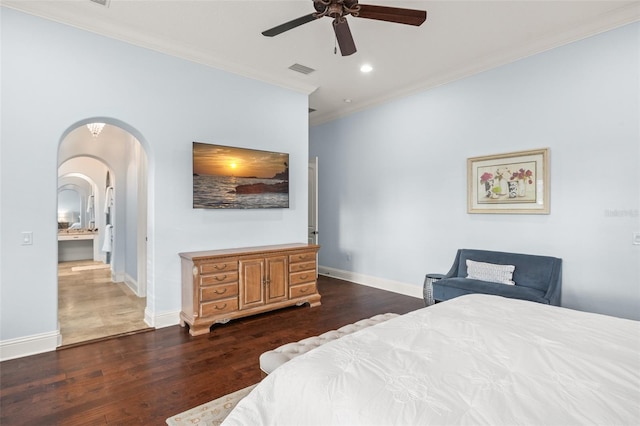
(335, 45)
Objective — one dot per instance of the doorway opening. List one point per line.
(312, 228)
(102, 223)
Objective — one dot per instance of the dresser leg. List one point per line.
(198, 330)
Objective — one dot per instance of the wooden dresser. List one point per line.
(220, 285)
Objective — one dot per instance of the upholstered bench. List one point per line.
(273, 359)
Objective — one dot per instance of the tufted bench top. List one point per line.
(271, 360)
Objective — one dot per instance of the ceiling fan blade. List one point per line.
(344, 37)
(392, 14)
(289, 25)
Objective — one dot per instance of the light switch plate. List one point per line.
(27, 238)
(636, 238)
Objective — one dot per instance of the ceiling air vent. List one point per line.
(104, 3)
(301, 69)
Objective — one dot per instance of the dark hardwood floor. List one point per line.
(146, 378)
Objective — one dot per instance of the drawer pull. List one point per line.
(221, 279)
(304, 290)
(224, 290)
(222, 308)
(304, 277)
(220, 268)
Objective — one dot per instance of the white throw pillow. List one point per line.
(502, 274)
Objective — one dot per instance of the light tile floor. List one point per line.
(91, 306)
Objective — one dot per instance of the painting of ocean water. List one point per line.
(219, 192)
(239, 178)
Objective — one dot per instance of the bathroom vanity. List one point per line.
(76, 245)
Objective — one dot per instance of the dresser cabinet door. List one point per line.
(263, 281)
(252, 283)
(277, 279)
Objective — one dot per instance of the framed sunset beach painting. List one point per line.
(226, 177)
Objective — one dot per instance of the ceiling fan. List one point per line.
(339, 9)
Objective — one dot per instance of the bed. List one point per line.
(475, 359)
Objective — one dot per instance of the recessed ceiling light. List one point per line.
(366, 68)
(347, 101)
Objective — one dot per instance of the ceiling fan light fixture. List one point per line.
(95, 128)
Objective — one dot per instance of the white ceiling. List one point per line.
(459, 38)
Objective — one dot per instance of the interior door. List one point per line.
(313, 201)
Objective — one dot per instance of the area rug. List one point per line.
(212, 413)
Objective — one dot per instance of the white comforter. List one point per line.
(472, 360)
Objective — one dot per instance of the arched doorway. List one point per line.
(103, 292)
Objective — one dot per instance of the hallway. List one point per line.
(90, 306)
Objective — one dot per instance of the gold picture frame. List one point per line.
(512, 183)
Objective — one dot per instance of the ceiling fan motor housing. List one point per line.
(336, 8)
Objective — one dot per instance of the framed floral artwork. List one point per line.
(516, 182)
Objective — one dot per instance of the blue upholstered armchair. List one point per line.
(519, 276)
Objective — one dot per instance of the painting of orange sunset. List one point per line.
(226, 177)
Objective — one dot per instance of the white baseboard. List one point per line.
(29, 345)
(118, 277)
(47, 342)
(165, 319)
(412, 290)
(131, 283)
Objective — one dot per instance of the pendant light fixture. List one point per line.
(95, 128)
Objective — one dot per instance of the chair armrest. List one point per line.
(554, 291)
(453, 272)
(427, 287)
(435, 276)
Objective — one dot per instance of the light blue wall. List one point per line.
(54, 76)
(392, 179)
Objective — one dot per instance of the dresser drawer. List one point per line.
(302, 277)
(302, 290)
(219, 266)
(302, 257)
(218, 292)
(218, 307)
(215, 279)
(304, 266)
